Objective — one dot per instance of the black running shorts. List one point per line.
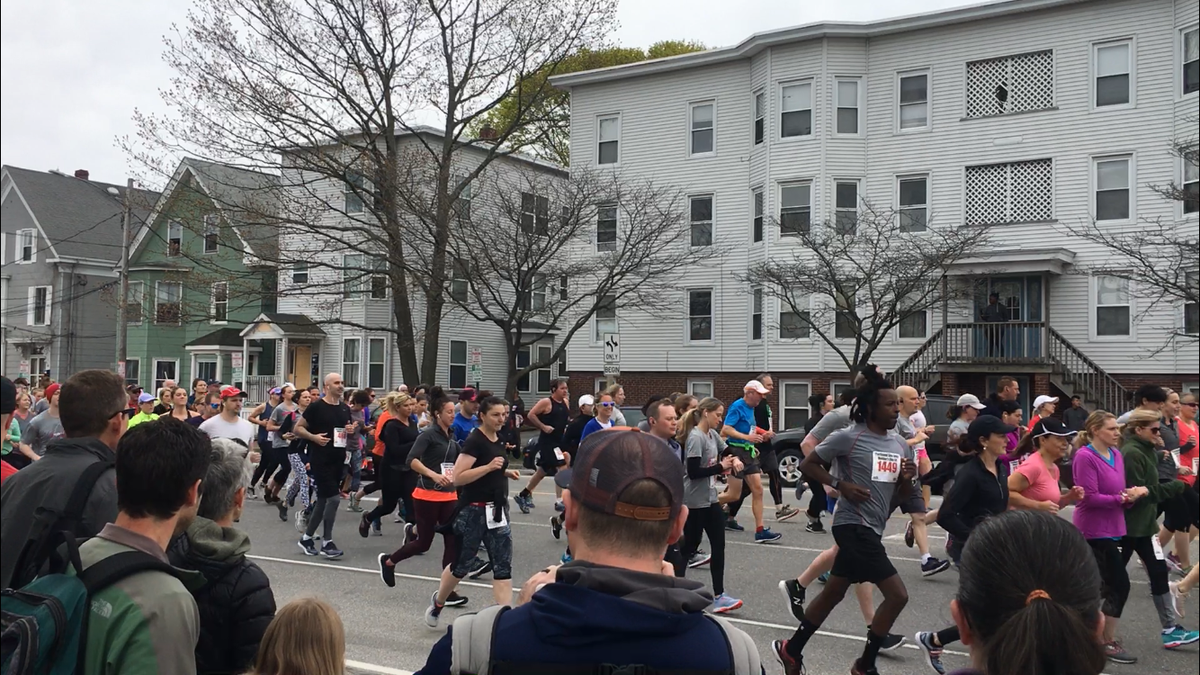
(861, 557)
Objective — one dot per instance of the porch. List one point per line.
(298, 339)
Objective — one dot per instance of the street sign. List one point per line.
(475, 366)
(612, 369)
(121, 369)
(235, 360)
(23, 367)
(612, 348)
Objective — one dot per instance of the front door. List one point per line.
(1013, 330)
(300, 368)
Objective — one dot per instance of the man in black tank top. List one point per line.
(550, 416)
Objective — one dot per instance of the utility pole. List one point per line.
(122, 315)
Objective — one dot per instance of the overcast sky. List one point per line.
(73, 71)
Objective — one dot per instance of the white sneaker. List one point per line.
(301, 521)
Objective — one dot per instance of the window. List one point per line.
(376, 362)
(1113, 67)
(39, 306)
(914, 203)
(1113, 195)
(1010, 84)
(27, 245)
(562, 363)
(535, 214)
(1191, 60)
(1191, 179)
(379, 279)
(133, 371)
(793, 398)
(756, 312)
(351, 359)
(543, 373)
(458, 364)
(837, 389)
(760, 117)
(563, 288)
(462, 205)
(844, 325)
(1112, 306)
(219, 309)
(914, 101)
(300, 273)
(212, 228)
(352, 194)
(206, 368)
(847, 106)
(523, 357)
(133, 302)
(165, 369)
(606, 317)
(702, 220)
(845, 218)
(460, 286)
(703, 118)
(168, 302)
(701, 389)
(794, 325)
(700, 315)
(1019, 192)
(533, 291)
(608, 140)
(1191, 310)
(39, 362)
(606, 227)
(174, 238)
(915, 325)
(795, 209)
(757, 233)
(795, 111)
(352, 275)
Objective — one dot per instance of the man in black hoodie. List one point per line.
(614, 604)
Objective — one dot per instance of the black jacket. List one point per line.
(236, 604)
(574, 434)
(977, 494)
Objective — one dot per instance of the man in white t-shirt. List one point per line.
(229, 424)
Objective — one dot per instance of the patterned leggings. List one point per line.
(300, 482)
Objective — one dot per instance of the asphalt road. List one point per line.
(385, 632)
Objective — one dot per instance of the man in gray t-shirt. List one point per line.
(869, 460)
(41, 430)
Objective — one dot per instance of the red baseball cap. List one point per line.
(232, 392)
(52, 390)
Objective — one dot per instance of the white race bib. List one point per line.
(1158, 552)
(1195, 465)
(558, 454)
(494, 524)
(1175, 456)
(270, 436)
(885, 467)
(339, 437)
(448, 470)
(1013, 466)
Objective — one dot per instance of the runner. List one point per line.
(961, 414)
(875, 470)
(326, 425)
(398, 435)
(605, 408)
(914, 506)
(550, 415)
(229, 423)
(617, 392)
(145, 405)
(466, 419)
(276, 452)
(574, 432)
(297, 454)
(260, 416)
(178, 397)
(1183, 512)
(1043, 407)
(767, 459)
(742, 436)
(1033, 486)
(46, 427)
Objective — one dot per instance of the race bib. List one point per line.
(1195, 465)
(270, 436)
(558, 454)
(1175, 455)
(339, 437)
(494, 524)
(1158, 552)
(886, 467)
(448, 470)
(1013, 465)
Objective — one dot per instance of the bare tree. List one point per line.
(330, 94)
(854, 280)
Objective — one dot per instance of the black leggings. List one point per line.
(710, 521)
(280, 455)
(818, 502)
(1155, 569)
(397, 487)
(1113, 575)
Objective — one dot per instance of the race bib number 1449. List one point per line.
(885, 467)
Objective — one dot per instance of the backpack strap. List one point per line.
(743, 654)
(471, 648)
(83, 489)
(114, 568)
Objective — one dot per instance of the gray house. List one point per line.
(61, 243)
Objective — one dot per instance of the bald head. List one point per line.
(908, 399)
(334, 387)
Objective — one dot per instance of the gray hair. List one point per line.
(228, 471)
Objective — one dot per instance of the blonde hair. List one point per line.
(306, 637)
(1139, 418)
(394, 400)
(682, 402)
(1094, 422)
(692, 419)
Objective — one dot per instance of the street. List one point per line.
(385, 632)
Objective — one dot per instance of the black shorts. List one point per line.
(1181, 512)
(861, 557)
(548, 462)
(915, 503)
(749, 461)
(767, 459)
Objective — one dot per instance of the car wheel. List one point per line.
(789, 467)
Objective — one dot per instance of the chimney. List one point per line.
(81, 174)
(487, 133)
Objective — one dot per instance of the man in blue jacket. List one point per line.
(613, 606)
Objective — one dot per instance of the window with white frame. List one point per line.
(606, 227)
(700, 315)
(606, 317)
(165, 369)
(795, 209)
(702, 125)
(524, 382)
(1191, 310)
(174, 238)
(837, 389)
(758, 214)
(608, 140)
(795, 110)
(701, 210)
(599, 384)
(1190, 55)
(378, 281)
(845, 218)
(133, 371)
(795, 321)
(756, 314)
(133, 302)
(1190, 172)
(535, 214)
(847, 106)
(168, 302)
(760, 117)
(913, 100)
(1112, 184)
(38, 313)
(352, 193)
(460, 284)
(562, 363)
(27, 246)
(462, 204)
(299, 273)
(212, 231)
(206, 367)
(913, 195)
(458, 364)
(1114, 309)
(1017, 192)
(542, 374)
(793, 398)
(351, 361)
(1113, 66)
(352, 275)
(701, 389)
(39, 362)
(914, 325)
(844, 325)
(564, 286)
(376, 362)
(219, 306)
(533, 290)
(1010, 84)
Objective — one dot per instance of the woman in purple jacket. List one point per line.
(1100, 470)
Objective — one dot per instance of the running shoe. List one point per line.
(433, 612)
(522, 503)
(934, 566)
(814, 525)
(823, 579)
(456, 600)
(364, 526)
(790, 665)
(1172, 561)
(560, 506)
(1176, 598)
(376, 528)
(354, 505)
(1115, 651)
(793, 594)
(566, 557)
(529, 501)
(890, 643)
(1179, 637)
(308, 546)
(786, 512)
(399, 518)
(251, 493)
(766, 536)
(301, 521)
(801, 487)
(387, 572)
(932, 653)
(555, 526)
(857, 669)
(410, 533)
(282, 510)
(331, 551)
(910, 535)
(483, 568)
(732, 524)
(699, 558)
(723, 603)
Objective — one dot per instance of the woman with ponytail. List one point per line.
(1029, 598)
(393, 473)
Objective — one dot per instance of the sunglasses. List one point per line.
(214, 406)
(128, 412)
(608, 404)
(1155, 430)
(1193, 404)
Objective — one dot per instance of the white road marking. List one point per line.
(372, 668)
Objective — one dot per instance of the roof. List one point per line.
(759, 41)
(225, 337)
(79, 217)
(292, 325)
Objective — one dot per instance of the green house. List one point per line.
(200, 269)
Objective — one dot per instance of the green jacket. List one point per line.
(145, 624)
(1141, 469)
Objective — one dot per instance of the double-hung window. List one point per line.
(700, 315)
(844, 325)
(795, 110)
(462, 204)
(847, 107)
(460, 284)
(379, 279)
(913, 100)
(1190, 55)
(794, 401)
(299, 273)
(168, 302)
(219, 309)
(1191, 310)
(1113, 199)
(376, 362)
(1113, 306)
(174, 238)
(1113, 65)
(757, 217)
(352, 275)
(845, 217)
(1191, 179)
(352, 193)
(535, 214)
(543, 373)
(606, 227)
(212, 230)
(608, 140)
(795, 209)
(606, 317)
(701, 216)
(914, 203)
(133, 302)
(39, 306)
(702, 125)
(760, 117)
(458, 364)
(351, 361)
(27, 245)
(756, 314)
(795, 317)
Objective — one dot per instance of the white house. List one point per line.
(1025, 114)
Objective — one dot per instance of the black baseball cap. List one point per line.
(608, 462)
(8, 396)
(1051, 426)
(986, 425)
